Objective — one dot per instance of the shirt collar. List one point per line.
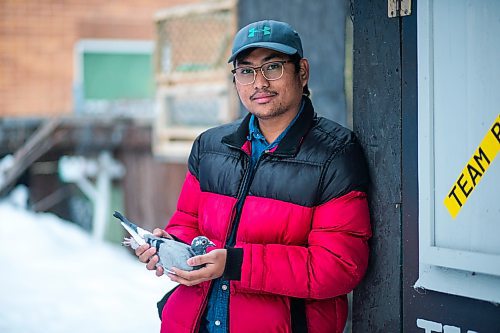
(290, 143)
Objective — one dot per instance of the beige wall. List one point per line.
(37, 40)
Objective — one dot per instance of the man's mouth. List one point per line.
(262, 97)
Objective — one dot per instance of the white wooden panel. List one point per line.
(466, 63)
(459, 98)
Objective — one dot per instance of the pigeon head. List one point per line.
(199, 245)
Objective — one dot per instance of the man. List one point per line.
(281, 193)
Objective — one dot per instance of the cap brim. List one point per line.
(266, 45)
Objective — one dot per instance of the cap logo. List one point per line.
(265, 31)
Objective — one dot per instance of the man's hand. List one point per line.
(214, 262)
(147, 254)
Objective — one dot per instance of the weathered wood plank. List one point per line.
(377, 121)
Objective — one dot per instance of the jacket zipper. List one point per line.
(234, 215)
(235, 221)
(202, 309)
(233, 225)
(236, 212)
(239, 195)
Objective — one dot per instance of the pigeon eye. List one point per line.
(204, 242)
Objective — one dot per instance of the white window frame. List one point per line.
(111, 46)
(465, 273)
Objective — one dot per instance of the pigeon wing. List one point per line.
(174, 254)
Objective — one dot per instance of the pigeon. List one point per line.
(172, 253)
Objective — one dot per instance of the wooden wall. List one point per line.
(377, 111)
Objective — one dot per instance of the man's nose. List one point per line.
(260, 80)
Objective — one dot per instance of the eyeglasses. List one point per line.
(270, 70)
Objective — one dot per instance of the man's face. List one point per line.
(268, 99)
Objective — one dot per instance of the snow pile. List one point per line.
(56, 279)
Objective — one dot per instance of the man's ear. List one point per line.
(304, 71)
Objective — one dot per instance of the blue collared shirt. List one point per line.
(259, 142)
(215, 319)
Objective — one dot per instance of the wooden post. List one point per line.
(377, 120)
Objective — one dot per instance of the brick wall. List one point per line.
(37, 41)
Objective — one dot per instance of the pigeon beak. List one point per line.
(210, 243)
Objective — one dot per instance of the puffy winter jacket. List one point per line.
(300, 236)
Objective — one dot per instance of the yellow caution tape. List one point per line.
(474, 170)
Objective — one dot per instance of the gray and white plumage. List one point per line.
(171, 253)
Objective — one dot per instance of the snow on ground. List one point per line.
(54, 278)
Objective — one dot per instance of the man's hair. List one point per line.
(294, 58)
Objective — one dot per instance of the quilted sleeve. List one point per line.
(332, 264)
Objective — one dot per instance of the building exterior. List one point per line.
(38, 41)
(81, 61)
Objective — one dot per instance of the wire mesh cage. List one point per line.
(194, 84)
(194, 42)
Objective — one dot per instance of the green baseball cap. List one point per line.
(268, 34)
